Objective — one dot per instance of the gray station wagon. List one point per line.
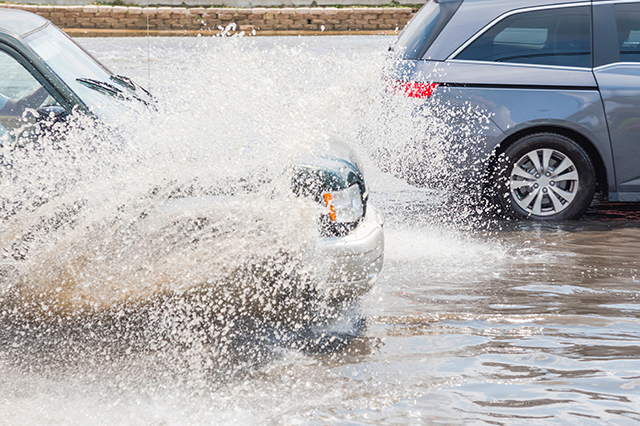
(559, 84)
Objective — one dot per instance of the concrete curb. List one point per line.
(134, 21)
(81, 32)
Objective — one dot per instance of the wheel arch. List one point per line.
(602, 184)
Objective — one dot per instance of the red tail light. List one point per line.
(412, 89)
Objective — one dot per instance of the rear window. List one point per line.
(560, 37)
(628, 24)
(424, 28)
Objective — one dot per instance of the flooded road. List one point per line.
(532, 323)
(470, 322)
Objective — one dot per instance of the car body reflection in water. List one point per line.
(508, 324)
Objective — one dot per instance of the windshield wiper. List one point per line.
(102, 86)
(122, 79)
(110, 89)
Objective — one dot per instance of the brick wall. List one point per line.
(198, 19)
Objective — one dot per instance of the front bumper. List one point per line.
(355, 260)
(346, 266)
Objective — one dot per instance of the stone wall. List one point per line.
(321, 19)
(237, 3)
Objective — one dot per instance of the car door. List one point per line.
(617, 71)
(21, 96)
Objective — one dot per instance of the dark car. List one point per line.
(47, 77)
(558, 83)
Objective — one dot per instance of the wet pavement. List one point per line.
(472, 321)
(531, 323)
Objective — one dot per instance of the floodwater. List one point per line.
(470, 322)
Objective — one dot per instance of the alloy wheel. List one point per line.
(544, 182)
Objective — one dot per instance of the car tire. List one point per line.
(544, 176)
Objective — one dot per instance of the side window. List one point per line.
(424, 28)
(628, 27)
(560, 37)
(19, 92)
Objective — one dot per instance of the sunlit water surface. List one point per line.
(468, 324)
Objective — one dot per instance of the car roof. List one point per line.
(499, 7)
(517, 4)
(19, 22)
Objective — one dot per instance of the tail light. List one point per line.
(412, 89)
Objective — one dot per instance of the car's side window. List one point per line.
(628, 27)
(558, 37)
(20, 92)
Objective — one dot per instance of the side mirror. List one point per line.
(55, 112)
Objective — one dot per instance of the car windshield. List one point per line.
(92, 82)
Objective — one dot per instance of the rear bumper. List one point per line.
(355, 260)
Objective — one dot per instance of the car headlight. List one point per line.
(345, 206)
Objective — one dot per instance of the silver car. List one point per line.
(47, 73)
(558, 83)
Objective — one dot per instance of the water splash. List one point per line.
(105, 276)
